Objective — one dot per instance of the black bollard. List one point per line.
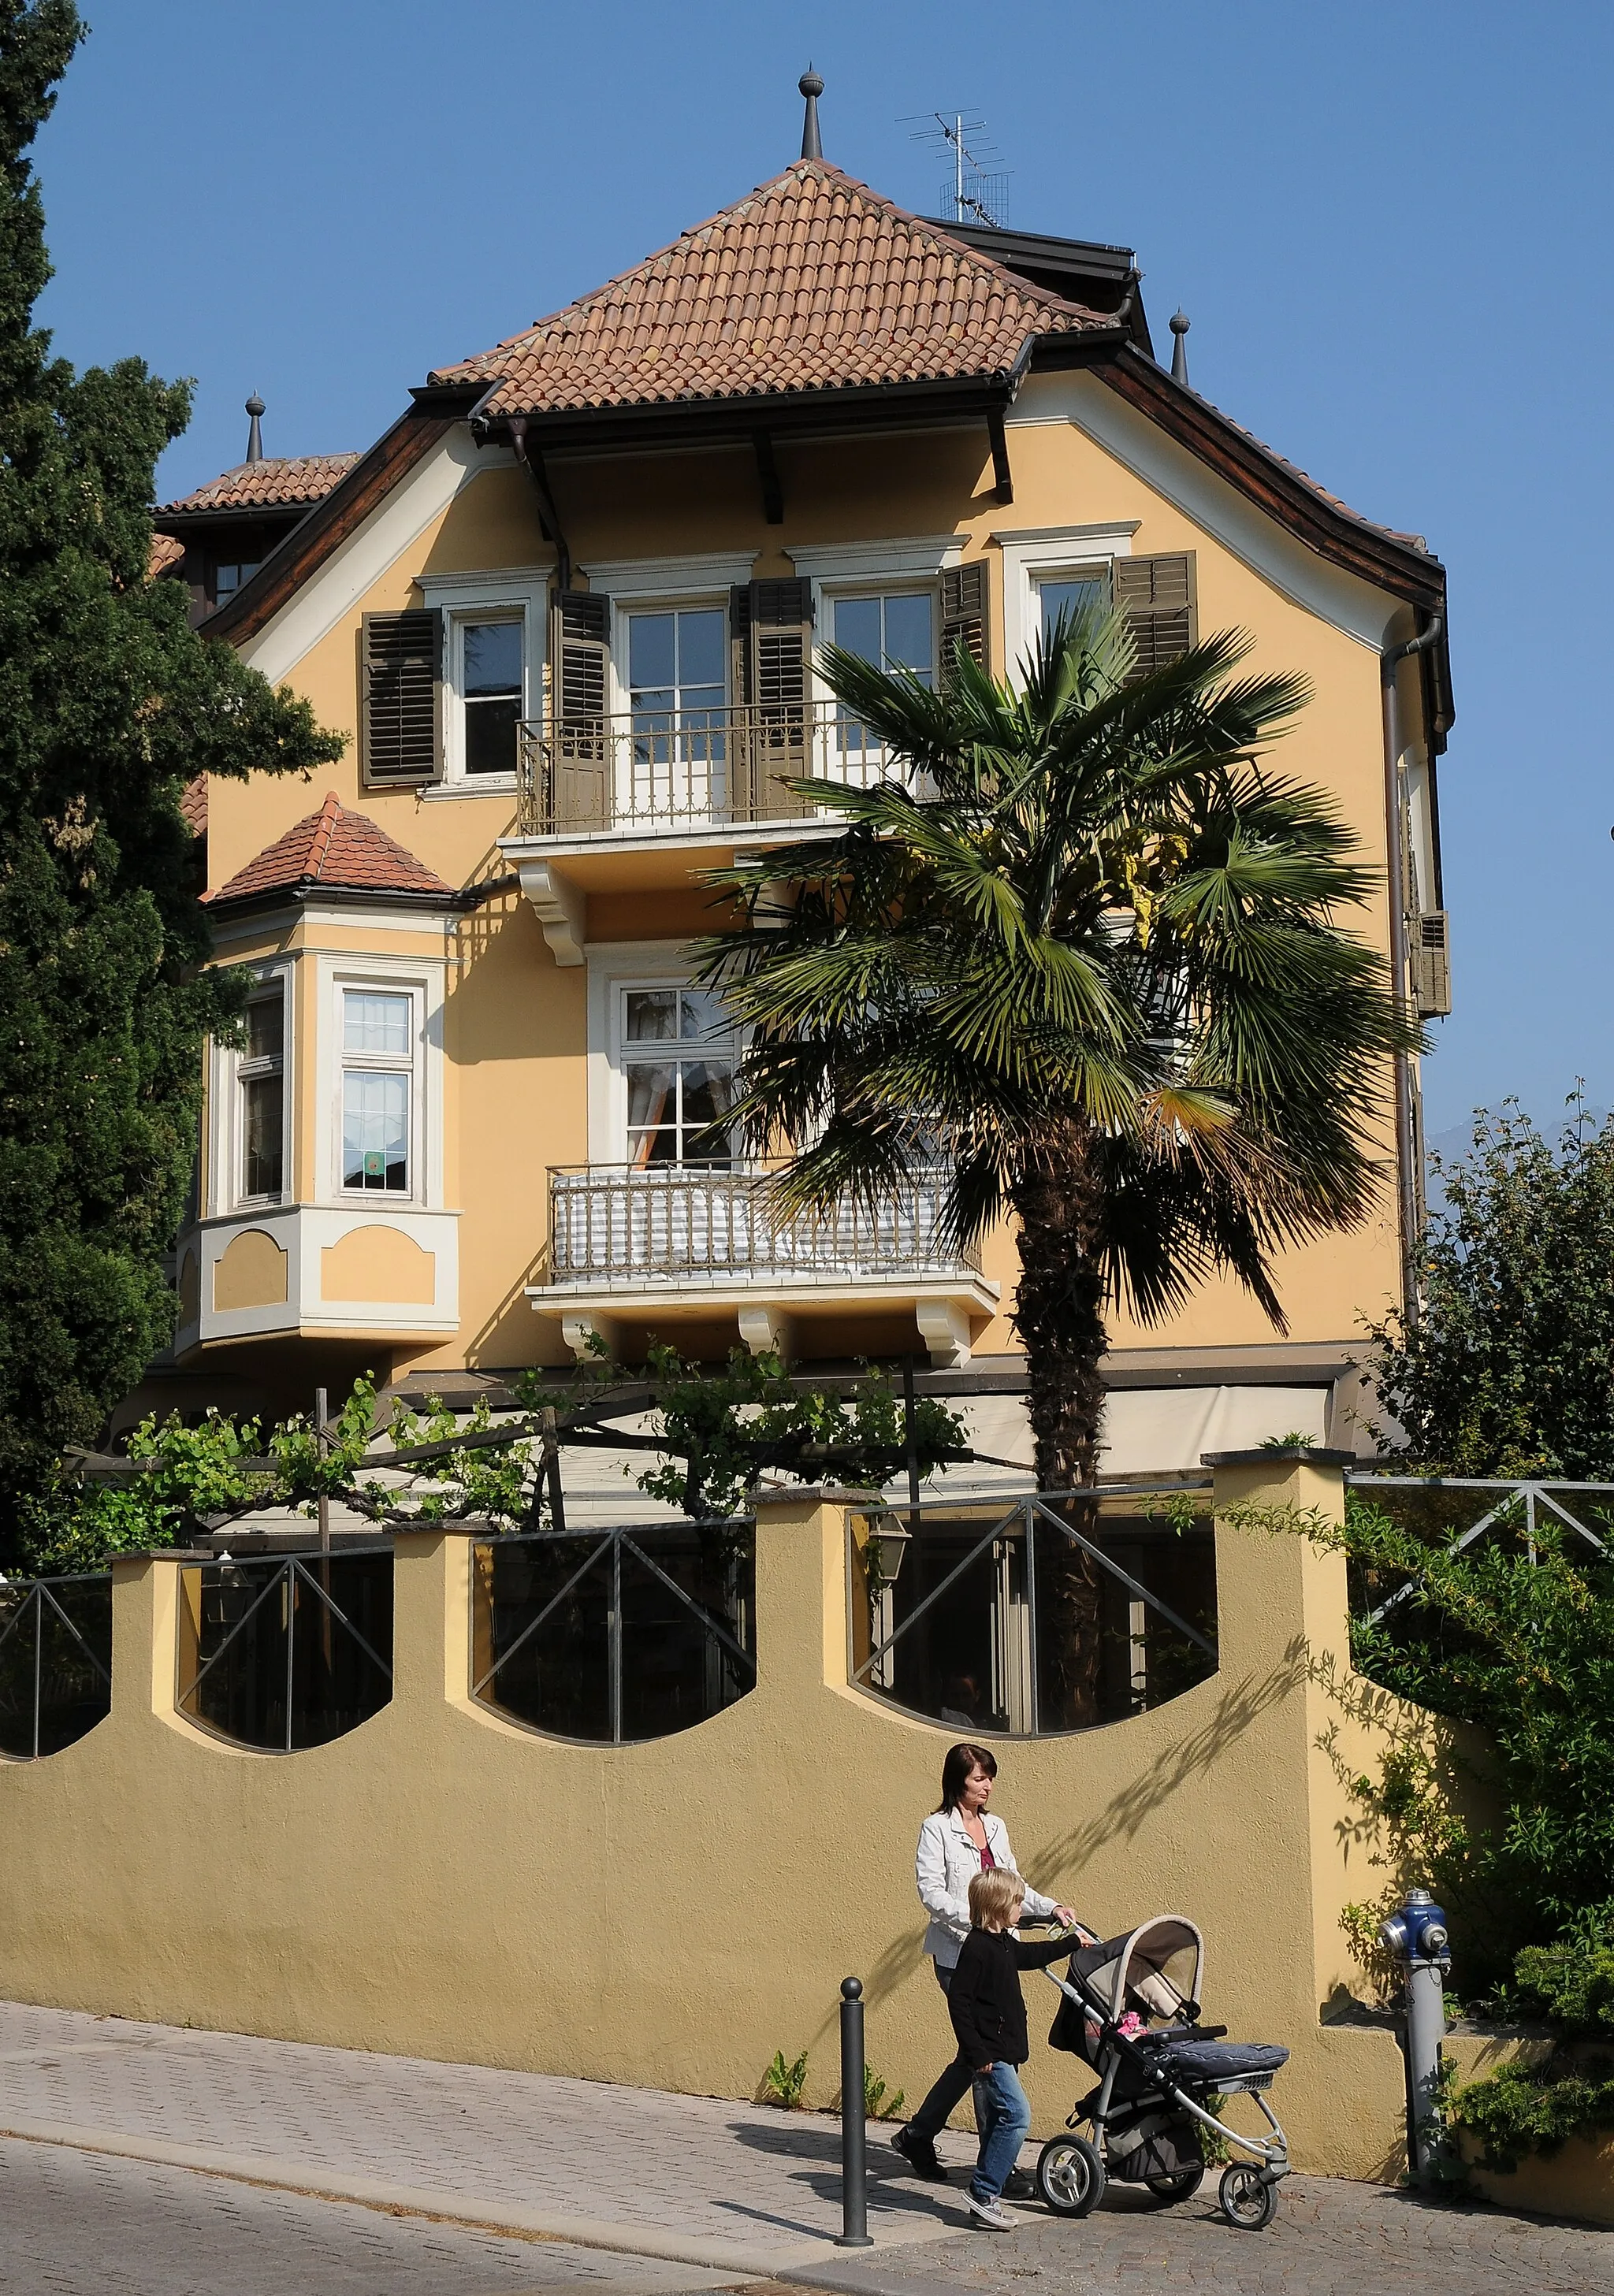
(855, 2187)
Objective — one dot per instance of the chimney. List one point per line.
(254, 434)
(811, 87)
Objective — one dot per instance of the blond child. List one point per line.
(988, 2011)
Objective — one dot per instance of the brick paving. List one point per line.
(615, 2177)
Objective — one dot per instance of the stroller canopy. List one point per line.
(1161, 1963)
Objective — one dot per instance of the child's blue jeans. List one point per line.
(1004, 2129)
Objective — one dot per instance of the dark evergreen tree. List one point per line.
(108, 704)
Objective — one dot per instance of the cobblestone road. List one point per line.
(81, 2224)
(1328, 2239)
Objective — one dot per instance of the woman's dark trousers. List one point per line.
(932, 2116)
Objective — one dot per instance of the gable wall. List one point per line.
(514, 1021)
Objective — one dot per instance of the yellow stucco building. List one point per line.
(566, 612)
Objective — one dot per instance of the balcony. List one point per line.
(657, 1247)
(656, 771)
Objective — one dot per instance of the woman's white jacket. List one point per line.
(944, 1864)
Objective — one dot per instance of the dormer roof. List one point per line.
(284, 483)
(811, 283)
(335, 851)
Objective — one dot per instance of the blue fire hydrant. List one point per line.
(1420, 1940)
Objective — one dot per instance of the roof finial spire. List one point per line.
(1181, 324)
(811, 87)
(254, 434)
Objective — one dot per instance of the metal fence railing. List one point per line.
(671, 1222)
(1035, 1615)
(55, 1662)
(695, 767)
(282, 1652)
(616, 1636)
(1458, 1511)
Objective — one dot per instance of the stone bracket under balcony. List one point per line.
(635, 1252)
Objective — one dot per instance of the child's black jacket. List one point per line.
(987, 2007)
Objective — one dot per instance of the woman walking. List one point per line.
(959, 1839)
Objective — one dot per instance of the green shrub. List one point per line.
(784, 2083)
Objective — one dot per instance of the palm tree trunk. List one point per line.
(1059, 1315)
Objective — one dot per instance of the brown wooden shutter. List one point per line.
(1158, 597)
(963, 615)
(401, 682)
(579, 688)
(770, 647)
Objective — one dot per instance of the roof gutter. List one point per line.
(1409, 1194)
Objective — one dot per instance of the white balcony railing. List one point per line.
(681, 1224)
(660, 769)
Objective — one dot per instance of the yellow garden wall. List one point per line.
(443, 1883)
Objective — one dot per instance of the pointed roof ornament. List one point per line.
(255, 408)
(1180, 324)
(811, 87)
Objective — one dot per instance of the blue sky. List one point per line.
(1389, 225)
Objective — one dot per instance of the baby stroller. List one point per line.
(1156, 2087)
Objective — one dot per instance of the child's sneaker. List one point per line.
(990, 2214)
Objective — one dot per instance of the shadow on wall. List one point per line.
(1237, 1709)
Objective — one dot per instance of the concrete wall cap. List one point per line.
(829, 1494)
(1290, 1455)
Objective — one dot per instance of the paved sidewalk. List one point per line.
(736, 2189)
(478, 2183)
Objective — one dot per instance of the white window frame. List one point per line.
(674, 602)
(1034, 554)
(521, 595)
(227, 1145)
(423, 984)
(850, 570)
(614, 968)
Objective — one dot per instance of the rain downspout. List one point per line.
(533, 466)
(1406, 1171)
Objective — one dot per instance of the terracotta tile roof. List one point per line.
(813, 282)
(165, 554)
(284, 483)
(194, 805)
(338, 851)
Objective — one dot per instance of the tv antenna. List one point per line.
(976, 189)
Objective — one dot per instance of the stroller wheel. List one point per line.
(1247, 2203)
(1169, 2190)
(1070, 2177)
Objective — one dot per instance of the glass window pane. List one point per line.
(653, 1148)
(374, 1023)
(651, 650)
(651, 1015)
(705, 1016)
(490, 735)
(908, 632)
(708, 1093)
(263, 1108)
(493, 657)
(650, 1094)
(700, 650)
(266, 1028)
(1068, 598)
(857, 627)
(374, 1130)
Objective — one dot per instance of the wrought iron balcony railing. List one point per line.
(676, 1223)
(660, 769)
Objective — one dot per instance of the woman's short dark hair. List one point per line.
(960, 1765)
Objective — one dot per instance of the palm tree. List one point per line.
(1082, 946)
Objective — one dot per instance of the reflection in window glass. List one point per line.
(228, 578)
(261, 1076)
(490, 690)
(1062, 600)
(673, 1097)
(896, 631)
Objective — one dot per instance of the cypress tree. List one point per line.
(108, 704)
